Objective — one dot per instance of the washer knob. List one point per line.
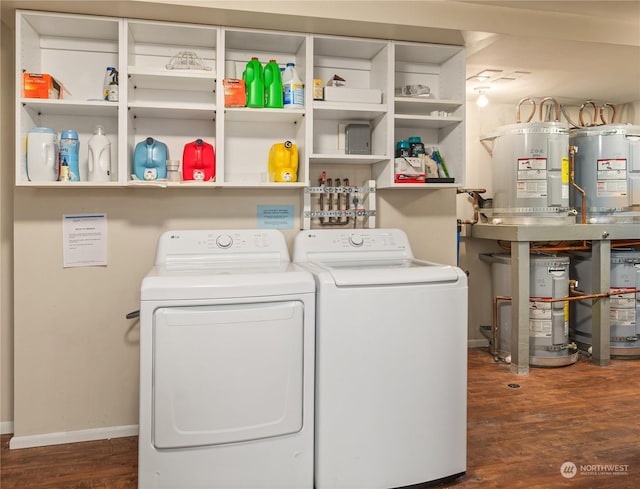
(224, 241)
(356, 240)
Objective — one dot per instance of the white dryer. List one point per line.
(226, 364)
(391, 361)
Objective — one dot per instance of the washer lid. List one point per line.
(268, 279)
(390, 272)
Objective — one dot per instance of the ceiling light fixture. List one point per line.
(482, 101)
(485, 75)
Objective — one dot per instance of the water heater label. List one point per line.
(611, 188)
(612, 177)
(622, 317)
(623, 300)
(540, 328)
(536, 313)
(531, 189)
(532, 168)
(615, 165)
(565, 171)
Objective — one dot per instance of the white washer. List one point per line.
(391, 361)
(226, 364)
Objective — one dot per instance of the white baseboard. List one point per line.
(72, 436)
(6, 427)
(477, 343)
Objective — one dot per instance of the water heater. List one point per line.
(548, 321)
(624, 307)
(531, 174)
(607, 168)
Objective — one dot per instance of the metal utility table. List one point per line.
(520, 237)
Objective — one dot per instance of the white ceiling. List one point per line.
(571, 70)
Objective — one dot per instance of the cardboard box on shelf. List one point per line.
(234, 92)
(41, 85)
(357, 95)
(409, 170)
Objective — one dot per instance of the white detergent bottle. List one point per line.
(99, 164)
(293, 88)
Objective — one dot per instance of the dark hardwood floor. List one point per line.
(518, 437)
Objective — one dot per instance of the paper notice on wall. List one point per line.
(84, 240)
(275, 217)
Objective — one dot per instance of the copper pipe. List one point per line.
(322, 183)
(556, 106)
(620, 244)
(572, 162)
(474, 194)
(550, 249)
(465, 190)
(613, 113)
(580, 246)
(533, 111)
(595, 113)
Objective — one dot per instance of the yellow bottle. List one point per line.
(283, 162)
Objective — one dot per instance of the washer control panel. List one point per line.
(356, 239)
(224, 241)
(391, 243)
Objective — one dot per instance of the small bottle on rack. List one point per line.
(64, 169)
(403, 150)
(69, 155)
(108, 76)
(113, 93)
(417, 146)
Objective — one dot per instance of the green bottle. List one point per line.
(253, 77)
(273, 85)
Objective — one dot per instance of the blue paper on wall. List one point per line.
(275, 217)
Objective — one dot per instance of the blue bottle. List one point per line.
(69, 153)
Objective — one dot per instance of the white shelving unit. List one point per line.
(249, 133)
(442, 69)
(179, 106)
(75, 49)
(363, 64)
(174, 106)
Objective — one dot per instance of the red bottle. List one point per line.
(198, 161)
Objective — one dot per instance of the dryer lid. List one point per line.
(284, 278)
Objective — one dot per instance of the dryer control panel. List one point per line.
(203, 246)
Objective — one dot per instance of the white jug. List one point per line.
(42, 155)
(99, 165)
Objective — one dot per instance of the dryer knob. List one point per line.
(224, 241)
(356, 240)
